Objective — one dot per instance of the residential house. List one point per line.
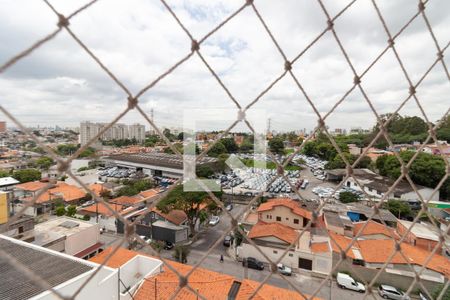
(421, 235)
(279, 223)
(377, 186)
(8, 183)
(46, 196)
(170, 227)
(365, 257)
(105, 216)
(309, 252)
(210, 285)
(63, 234)
(284, 211)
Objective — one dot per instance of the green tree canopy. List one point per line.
(217, 149)
(44, 162)
(398, 208)
(348, 197)
(27, 175)
(276, 145)
(192, 203)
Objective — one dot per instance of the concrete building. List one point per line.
(421, 235)
(376, 186)
(365, 258)
(89, 130)
(68, 235)
(66, 274)
(156, 164)
(209, 284)
(284, 211)
(2, 126)
(278, 226)
(309, 254)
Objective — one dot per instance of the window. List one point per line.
(275, 252)
(287, 219)
(20, 229)
(304, 263)
(348, 183)
(370, 189)
(291, 254)
(295, 221)
(278, 219)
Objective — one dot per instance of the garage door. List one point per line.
(305, 264)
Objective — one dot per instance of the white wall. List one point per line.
(82, 240)
(425, 193)
(321, 263)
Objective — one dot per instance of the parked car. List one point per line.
(168, 246)
(88, 203)
(345, 281)
(284, 270)
(229, 207)
(422, 296)
(146, 239)
(390, 292)
(227, 241)
(214, 220)
(252, 263)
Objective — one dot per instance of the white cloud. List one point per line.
(138, 40)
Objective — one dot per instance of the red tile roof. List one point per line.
(102, 209)
(97, 188)
(320, 247)
(126, 200)
(280, 231)
(378, 251)
(149, 193)
(373, 228)
(62, 190)
(209, 284)
(287, 202)
(32, 186)
(175, 216)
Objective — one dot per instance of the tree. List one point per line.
(192, 203)
(348, 197)
(4, 173)
(178, 146)
(230, 145)
(204, 171)
(276, 145)
(180, 253)
(152, 140)
(44, 162)
(27, 175)
(246, 146)
(427, 169)
(217, 149)
(134, 187)
(398, 208)
(71, 210)
(67, 149)
(60, 211)
(89, 152)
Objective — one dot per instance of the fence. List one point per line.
(132, 102)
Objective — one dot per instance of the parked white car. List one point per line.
(214, 220)
(345, 281)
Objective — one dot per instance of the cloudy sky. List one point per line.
(59, 84)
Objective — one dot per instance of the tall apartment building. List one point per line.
(117, 132)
